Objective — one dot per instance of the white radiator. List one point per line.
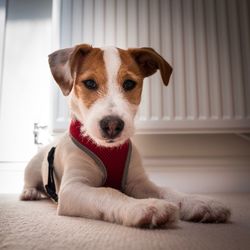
(207, 43)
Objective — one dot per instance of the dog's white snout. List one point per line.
(111, 126)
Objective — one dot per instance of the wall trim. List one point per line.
(197, 161)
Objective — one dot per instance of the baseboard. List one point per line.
(201, 174)
(211, 161)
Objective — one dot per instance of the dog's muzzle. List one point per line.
(111, 127)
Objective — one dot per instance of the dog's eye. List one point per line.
(90, 84)
(128, 85)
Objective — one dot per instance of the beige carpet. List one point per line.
(35, 225)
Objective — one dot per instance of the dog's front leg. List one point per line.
(79, 197)
(195, 208)
(192, 207)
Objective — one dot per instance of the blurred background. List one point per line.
(194, 135)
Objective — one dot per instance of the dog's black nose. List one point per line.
(111, 126)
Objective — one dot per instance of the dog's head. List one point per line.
(104, 86)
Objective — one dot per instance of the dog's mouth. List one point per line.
(109, 142)
(112, 141)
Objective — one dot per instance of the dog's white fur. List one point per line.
(78, 179)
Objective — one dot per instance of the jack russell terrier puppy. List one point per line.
(95, 168)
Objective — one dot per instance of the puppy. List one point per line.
(94, 170)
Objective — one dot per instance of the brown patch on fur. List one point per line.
(63, 64)
(149, 61)
(130, 70)
(92, 67)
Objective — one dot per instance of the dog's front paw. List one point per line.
(150, 213)
(201, 209)
(30, 194)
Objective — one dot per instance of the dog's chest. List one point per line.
(114, 161)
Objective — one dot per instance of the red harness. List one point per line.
(114, 161)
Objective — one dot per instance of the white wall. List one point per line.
(194, 163)
(26, 83)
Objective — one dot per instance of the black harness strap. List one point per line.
(50, 187)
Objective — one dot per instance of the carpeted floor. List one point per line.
(35, 225)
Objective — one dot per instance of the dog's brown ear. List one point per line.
(149, 61)
(63, 65)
